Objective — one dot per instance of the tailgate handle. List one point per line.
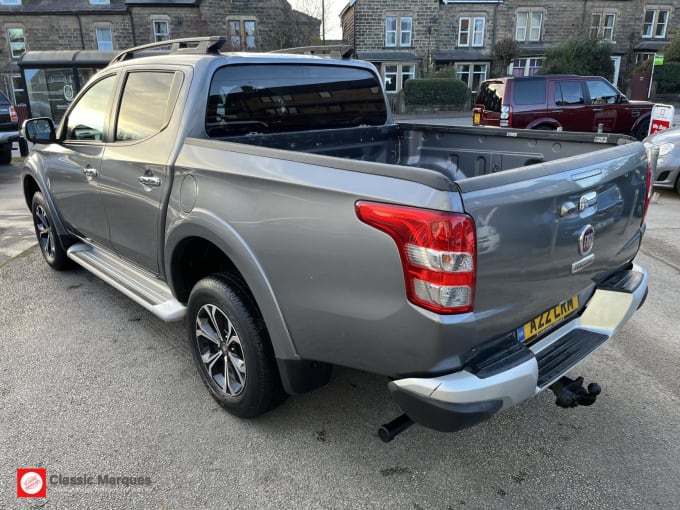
(567, 208)
(588, 200)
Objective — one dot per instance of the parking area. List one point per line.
(92, 385)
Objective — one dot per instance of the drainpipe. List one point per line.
(132, 28)
(80, 26)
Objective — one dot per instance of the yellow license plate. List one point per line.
(547, 319)
(476, 118)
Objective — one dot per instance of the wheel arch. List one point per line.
(545, 121)
(194, 251)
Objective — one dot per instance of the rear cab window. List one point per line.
(491, 95)
(252, 98)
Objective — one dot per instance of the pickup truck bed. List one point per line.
(472, 266)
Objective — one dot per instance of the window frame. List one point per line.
(528, 27)
(11, 44)
(99, 42)
(403, 72)
(464, 32)
(63, 130)
(654, 23)
(247, 41)
(481, 33)
(157, 34)
(472, 72)
(395, 30)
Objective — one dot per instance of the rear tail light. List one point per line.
(438, 253)
(13, 117)
(648, 193)
(506, 116)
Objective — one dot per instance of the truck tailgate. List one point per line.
(548, 233)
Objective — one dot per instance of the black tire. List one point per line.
(231, 347)
(48, 240)
(544, 127)
(6, 156)
(23, 147)
(677, 184)
(642, 129)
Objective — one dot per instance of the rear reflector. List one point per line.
(437, 250)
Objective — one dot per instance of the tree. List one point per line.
(321, 10)
(671, 52)
(586, 57)
(504, 52)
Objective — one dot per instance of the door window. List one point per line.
(568, 93)
(601, 92)
(148, 98)
(88, 117)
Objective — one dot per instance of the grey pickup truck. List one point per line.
(271, 202)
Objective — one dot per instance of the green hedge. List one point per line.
(667, 77)
(435, 91)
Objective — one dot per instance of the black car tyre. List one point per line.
(642, 129)
(231, 347)
(48, 240)
(23, 147)
(6, 156)
(677, 184)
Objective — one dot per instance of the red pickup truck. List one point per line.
(570, 102)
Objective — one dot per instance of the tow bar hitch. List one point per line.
(571, 393)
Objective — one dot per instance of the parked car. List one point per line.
(668, 164)
(9, 129)
(570, 102)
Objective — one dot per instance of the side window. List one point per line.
(148, 99)
(88, 117)
(568, 93)
(601, 92)
(529, 91)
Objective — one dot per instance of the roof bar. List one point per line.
(200, 45)
(334, 51)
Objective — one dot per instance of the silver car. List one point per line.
(668, 164)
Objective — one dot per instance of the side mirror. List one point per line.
(621, 99)
(39, 130)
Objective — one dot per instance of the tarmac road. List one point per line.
(93, 385)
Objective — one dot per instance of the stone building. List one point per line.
(406, 38)
(48, 25)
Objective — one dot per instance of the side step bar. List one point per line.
(152, 294)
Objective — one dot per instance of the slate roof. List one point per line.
(60, 6)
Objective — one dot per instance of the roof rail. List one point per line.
(343, 51)
(195, 45)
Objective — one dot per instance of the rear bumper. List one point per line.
(8, 137)
(462, 399)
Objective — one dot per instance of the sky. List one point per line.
(333, 30)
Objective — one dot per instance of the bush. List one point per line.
(667, 77)
(436, 91)
(586, 57)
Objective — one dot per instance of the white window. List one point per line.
(17, 42)
(10, 2)
(398, 31)
(242, 34)
(104, 38)
(161, 30)
(525, 66)
(528, 26)
(656, 22)
(18, 89)
(471, 31)
(472, 74)
(396, 75)
(602, 26)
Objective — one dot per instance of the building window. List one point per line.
(104, 38)
(242, 34)
(528, 27)
(161, 30)
(396, 75)
(10, 2)
(641, 57)
(17, 42)
(471, 31)
(18, 89)
(525, 66)
(100, 2)
(602, 26)
(656, 22)
(472, 74)
(398, 31)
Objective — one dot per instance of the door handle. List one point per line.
(597, 109)
(556, 111)
(90, 172)
(149, 181)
